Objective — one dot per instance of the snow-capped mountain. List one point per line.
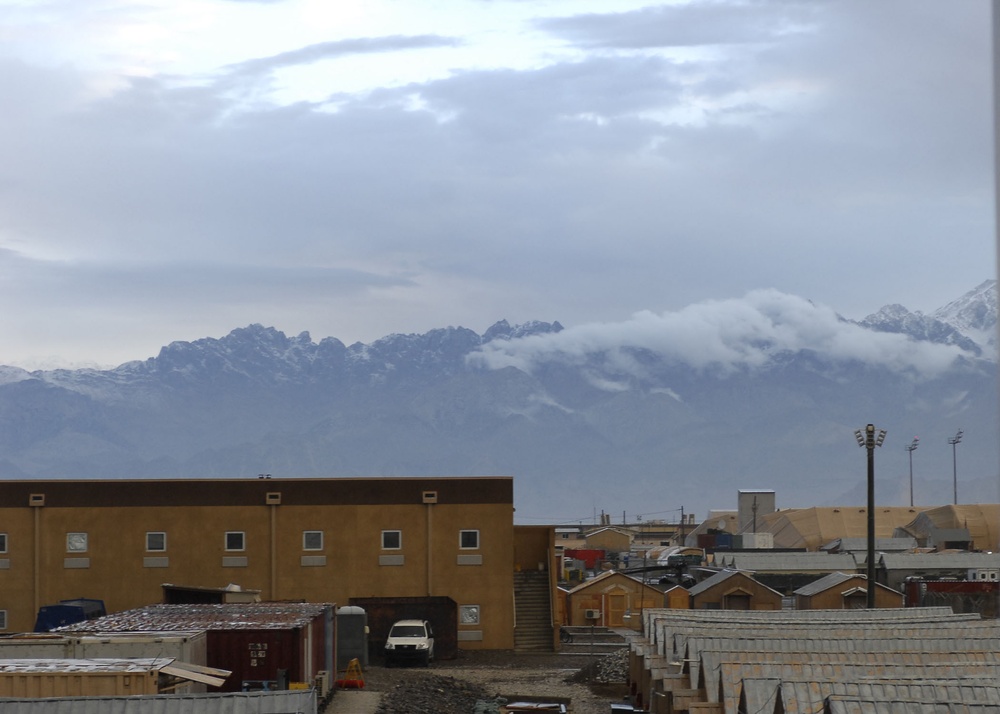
(644, 416)
(970, 322)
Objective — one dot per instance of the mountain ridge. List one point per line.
(567, 411)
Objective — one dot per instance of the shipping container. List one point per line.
(41, 678)
(299, 700)
(189, 647)
(36, 646)
(257, 642)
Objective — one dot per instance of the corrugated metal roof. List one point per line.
(808, 697)
(657, 622)
(62, 666)
(882, 613)
(280, 702)
(856, 705)
(733, 676)
(791, 562)
(675, 640)
(939, 561)
(712, 660)
(231, 616)
(712, 581)
(860, 545)
(828, 581)
(694, 654)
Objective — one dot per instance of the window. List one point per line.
(3, 542)
(468, 540)
(156, 541)
(235, 540)
(3, 619)
(468, 614)
(392, 540)
(312, 540)
(76, 542)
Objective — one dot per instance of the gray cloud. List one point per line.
(687, 24)
(846, 160)
(340, 48)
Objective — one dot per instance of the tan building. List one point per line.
(677, 598)
(314, 540)
(613, 595)
(844, 591)
(610, 540)
(733, 590)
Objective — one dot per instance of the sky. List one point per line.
(176, 169)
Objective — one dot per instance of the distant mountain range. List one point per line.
(639, 418)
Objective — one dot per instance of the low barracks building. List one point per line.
(315, 540)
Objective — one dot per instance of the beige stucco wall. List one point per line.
(116, 570)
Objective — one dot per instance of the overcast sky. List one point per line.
(174, 169)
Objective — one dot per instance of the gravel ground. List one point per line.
(473, 682)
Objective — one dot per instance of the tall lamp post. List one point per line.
(955, 441)
(869, 439)
(911, 448)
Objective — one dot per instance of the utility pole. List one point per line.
(955, 441)
(869, 439)
(911, 448)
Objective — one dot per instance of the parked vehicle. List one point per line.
(410, 641)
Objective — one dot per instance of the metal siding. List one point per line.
(297, 702)
(255, 655)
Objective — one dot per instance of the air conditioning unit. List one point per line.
(592, 614)
(323, 683)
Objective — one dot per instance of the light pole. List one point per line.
(911, 448)
(869, 439)
(955, 441)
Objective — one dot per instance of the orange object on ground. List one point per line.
(353, 679)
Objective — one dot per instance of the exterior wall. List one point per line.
(195, 515)
(833, 598)
(609, 540)
(761, 597)
(677, 598)
(613, 596)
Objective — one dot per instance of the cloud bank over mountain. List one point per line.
(725, 336)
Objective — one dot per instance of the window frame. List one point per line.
(469, 615)
(3, 542)
(86, 542)
(243, 541)
(3, 619)
(399, 537)
(156, 550)
(461, 539)
(305, 544)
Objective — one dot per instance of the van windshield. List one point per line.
(407, 631)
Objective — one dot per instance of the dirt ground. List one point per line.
(455, 686)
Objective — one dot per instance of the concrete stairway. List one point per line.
(532, 607)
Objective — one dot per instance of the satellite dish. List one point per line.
(722, 524)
